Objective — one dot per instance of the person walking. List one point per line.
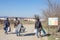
(17, 26)
(7, 26)
(38, 27)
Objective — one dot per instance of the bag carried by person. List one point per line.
(35, 30)
(9, 29)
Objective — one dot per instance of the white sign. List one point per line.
(52, 21)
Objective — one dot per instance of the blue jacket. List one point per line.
(7, 23)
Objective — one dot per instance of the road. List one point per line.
(28, 35)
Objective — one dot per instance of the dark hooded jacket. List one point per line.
(38, 25)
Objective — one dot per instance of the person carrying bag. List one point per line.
(7, 26)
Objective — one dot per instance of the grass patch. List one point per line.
(53, 38)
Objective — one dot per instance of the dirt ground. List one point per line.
(25, 36)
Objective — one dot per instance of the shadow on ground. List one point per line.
(30, 34)
(12, 33)
(46, 35)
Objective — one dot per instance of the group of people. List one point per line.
(18, 25)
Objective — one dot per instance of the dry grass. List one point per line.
(30, 29)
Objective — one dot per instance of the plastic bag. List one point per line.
(35, 30)
(9, 29)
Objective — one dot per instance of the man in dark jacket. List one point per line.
(38, 27)
(7, 24)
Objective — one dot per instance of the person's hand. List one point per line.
(39, 29)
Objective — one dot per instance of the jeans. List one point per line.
(17, 32)
(6, 29)
(37, 32)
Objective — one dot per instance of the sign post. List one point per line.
(52, 22)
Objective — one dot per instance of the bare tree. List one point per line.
(53, 9)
